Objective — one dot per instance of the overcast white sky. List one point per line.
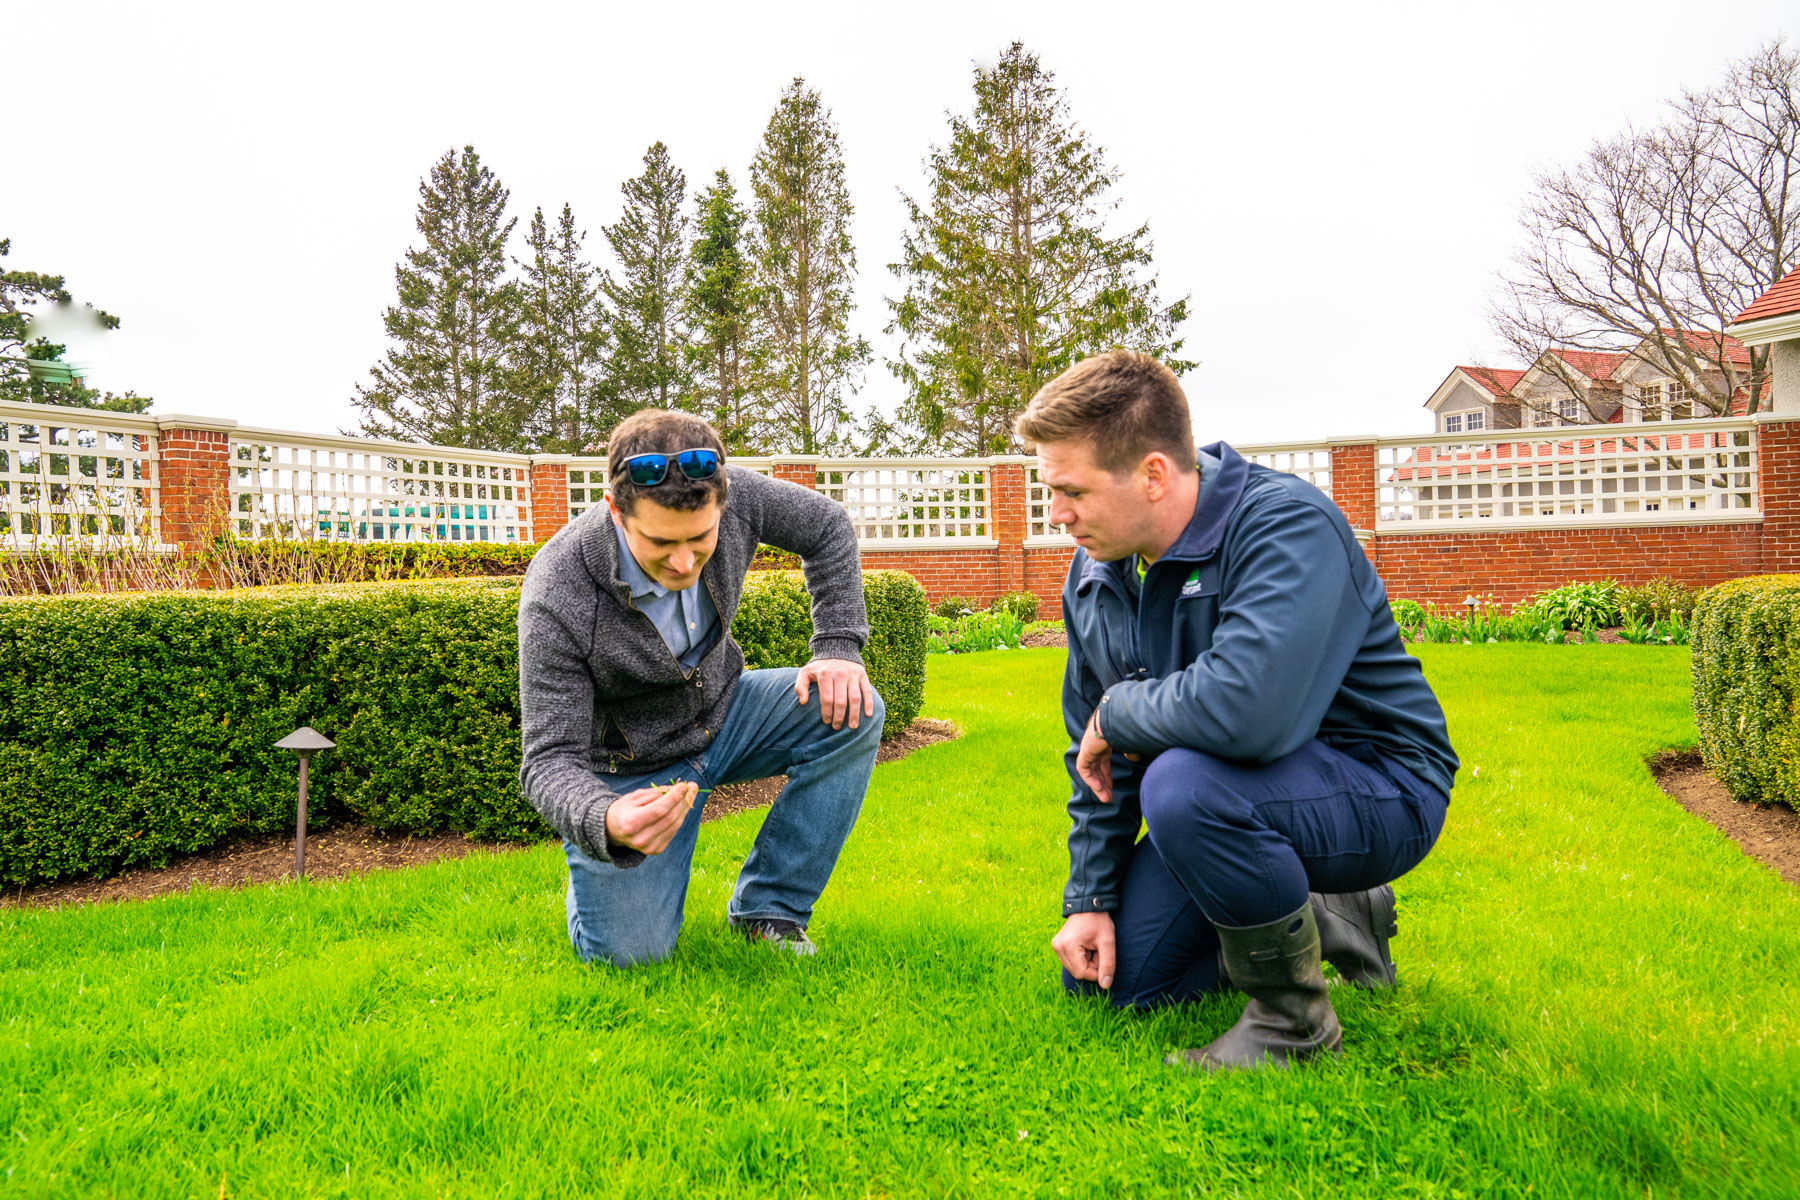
(1334, 184)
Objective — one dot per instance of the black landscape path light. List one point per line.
(305, 740)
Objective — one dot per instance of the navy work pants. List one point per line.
(1240, 844)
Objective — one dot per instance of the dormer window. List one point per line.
(1465, 421)
(1665, 400)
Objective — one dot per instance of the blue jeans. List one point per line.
(1240, 844)
(632, 915)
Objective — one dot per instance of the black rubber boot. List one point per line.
(1354, 928)
(1289, 1016)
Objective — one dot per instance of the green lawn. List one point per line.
(1597, 999)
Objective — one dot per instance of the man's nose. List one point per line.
(681, 562)
(1061, 513)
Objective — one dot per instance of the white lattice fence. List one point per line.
(910, 501)
(84, 475)
(290, 485)
(1311, 461)
(1700, 470)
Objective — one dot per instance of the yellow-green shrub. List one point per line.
(1746, 639)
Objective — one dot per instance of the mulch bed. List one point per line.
(1045, 637)
(1768, 833)
(352, 849)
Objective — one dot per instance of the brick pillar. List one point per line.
(1778, 484)
(194, 479)
(549, 495)
(802, 469)
(1353, 481)
(1006, 521)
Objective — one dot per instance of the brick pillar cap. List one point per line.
(188, 421)
(1774, 418)
(552, 460)
(792, 458)
(1356, 439)
(1012, 459)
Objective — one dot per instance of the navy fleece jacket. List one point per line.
(1262, 627)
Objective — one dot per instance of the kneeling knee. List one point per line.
(1174, 782)
(879, 716)
(625, 952)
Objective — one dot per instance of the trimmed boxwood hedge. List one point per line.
(1746, 638)
(134, 728)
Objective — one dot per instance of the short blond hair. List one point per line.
(1124, 405)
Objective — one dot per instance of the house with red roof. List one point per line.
(1773, 320)
(1673, 376)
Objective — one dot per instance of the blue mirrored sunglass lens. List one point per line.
(647, 470)
(699, 464)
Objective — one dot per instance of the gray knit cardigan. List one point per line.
(600, 691)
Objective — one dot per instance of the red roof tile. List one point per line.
(1778, 301)
(1497, 380)
(1592, 363)
(1714, 345)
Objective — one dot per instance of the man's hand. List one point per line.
(1093, 762)
(649, 818)
(845, 692)
(1085, 946)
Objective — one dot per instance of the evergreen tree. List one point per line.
(718, 315)
(648, 365)
(805, 266)
(447, 379)
(559, 363)
(1010, 274)
(32, 370)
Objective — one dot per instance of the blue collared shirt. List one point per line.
(686, 619)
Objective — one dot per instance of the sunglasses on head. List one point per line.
(648, 470)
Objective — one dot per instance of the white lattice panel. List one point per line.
(314, 488)
(93, 479)
(897, 500)
(1705, 469)
(1037, 507)
(1310, 461)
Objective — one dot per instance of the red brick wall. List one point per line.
(1438, 568)
(805, 474)
(1443, 568)
(194, 470)
(1778, 466)
(1353, 483)
(1006, 503)
(549, 499)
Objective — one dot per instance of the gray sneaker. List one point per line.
(789, 935)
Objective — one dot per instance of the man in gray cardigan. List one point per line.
(636, 701)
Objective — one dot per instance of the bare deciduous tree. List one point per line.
(1658, 238)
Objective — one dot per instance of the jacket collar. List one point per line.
(1205, 530)
(601, 550)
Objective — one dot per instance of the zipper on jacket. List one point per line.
(685, 672)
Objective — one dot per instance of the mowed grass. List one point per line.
(1597, 999)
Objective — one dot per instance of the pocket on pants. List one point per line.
(1320, 828)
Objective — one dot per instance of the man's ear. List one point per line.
(1158, 472)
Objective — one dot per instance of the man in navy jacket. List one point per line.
(1236, 681)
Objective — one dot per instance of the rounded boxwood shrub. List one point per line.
(138, 727)
(1746, 639)
(774, 624)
